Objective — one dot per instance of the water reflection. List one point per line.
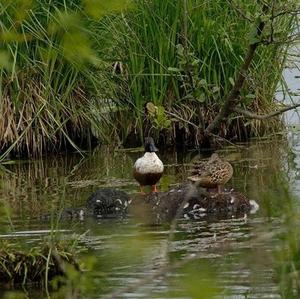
(238, 255)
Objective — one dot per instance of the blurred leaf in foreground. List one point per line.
(199, 281)
(5, 62)
(98, 8)
(74, 39)
(18, 9)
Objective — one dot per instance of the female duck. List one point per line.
(148, 169)
(214, 173)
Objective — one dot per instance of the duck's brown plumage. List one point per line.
(212, 173)
(147, 179)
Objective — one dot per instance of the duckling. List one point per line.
(214, 173)
(148, 169)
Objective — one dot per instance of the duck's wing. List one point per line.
(139, 163)
(200, 168)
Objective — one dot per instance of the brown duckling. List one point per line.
(214, 173)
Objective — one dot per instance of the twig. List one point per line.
(182, 119)
(197, 127)
(249, 114)
(288, 40)
(294, 12)
(226, 140)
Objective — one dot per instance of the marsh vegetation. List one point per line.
(192, 73)
(74, 74)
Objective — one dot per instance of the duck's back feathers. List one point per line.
(212, 173)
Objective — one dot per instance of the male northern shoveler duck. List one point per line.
(148, 169)
(214, 173)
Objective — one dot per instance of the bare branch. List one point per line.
(197, 127)
(233, 95)
(286, 12)
(226, 140)
(249, 114)
(182, 119)
(240, 11)
(288, 40)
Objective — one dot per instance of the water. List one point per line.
(234, 258)
(226, 258)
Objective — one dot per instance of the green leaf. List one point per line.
(200, 96)
(167, 123)
(203, 82)
(174, 69)
(253, 39)
(231, 81)
(77, 47)
(5, 61)
(151, 108)
(13, 36)
(180, 50)
(215, 89)
(195, 62)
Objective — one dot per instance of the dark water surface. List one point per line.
(228, 258)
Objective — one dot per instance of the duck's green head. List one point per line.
(149, 145)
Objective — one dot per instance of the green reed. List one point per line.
(75, 72)
(53, 81)
(184, 56)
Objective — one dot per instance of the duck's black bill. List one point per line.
(153, 148)
(149, 145)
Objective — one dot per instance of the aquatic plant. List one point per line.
(38, 264)
(46, 260)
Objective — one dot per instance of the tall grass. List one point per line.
(184, 56)
(52, 80)
(72, 72)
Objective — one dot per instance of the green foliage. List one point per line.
(98, 8)
(158, 117)
(53, 80)
(74, 70)
(39, 264)
(179, 59)
(195, 88)
(199, 281)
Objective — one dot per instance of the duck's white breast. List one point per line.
(149, 163)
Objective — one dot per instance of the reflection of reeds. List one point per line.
(288, 257)
(33, 188)
(260, 172)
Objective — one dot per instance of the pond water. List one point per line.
(227, 258)
(248, 257)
